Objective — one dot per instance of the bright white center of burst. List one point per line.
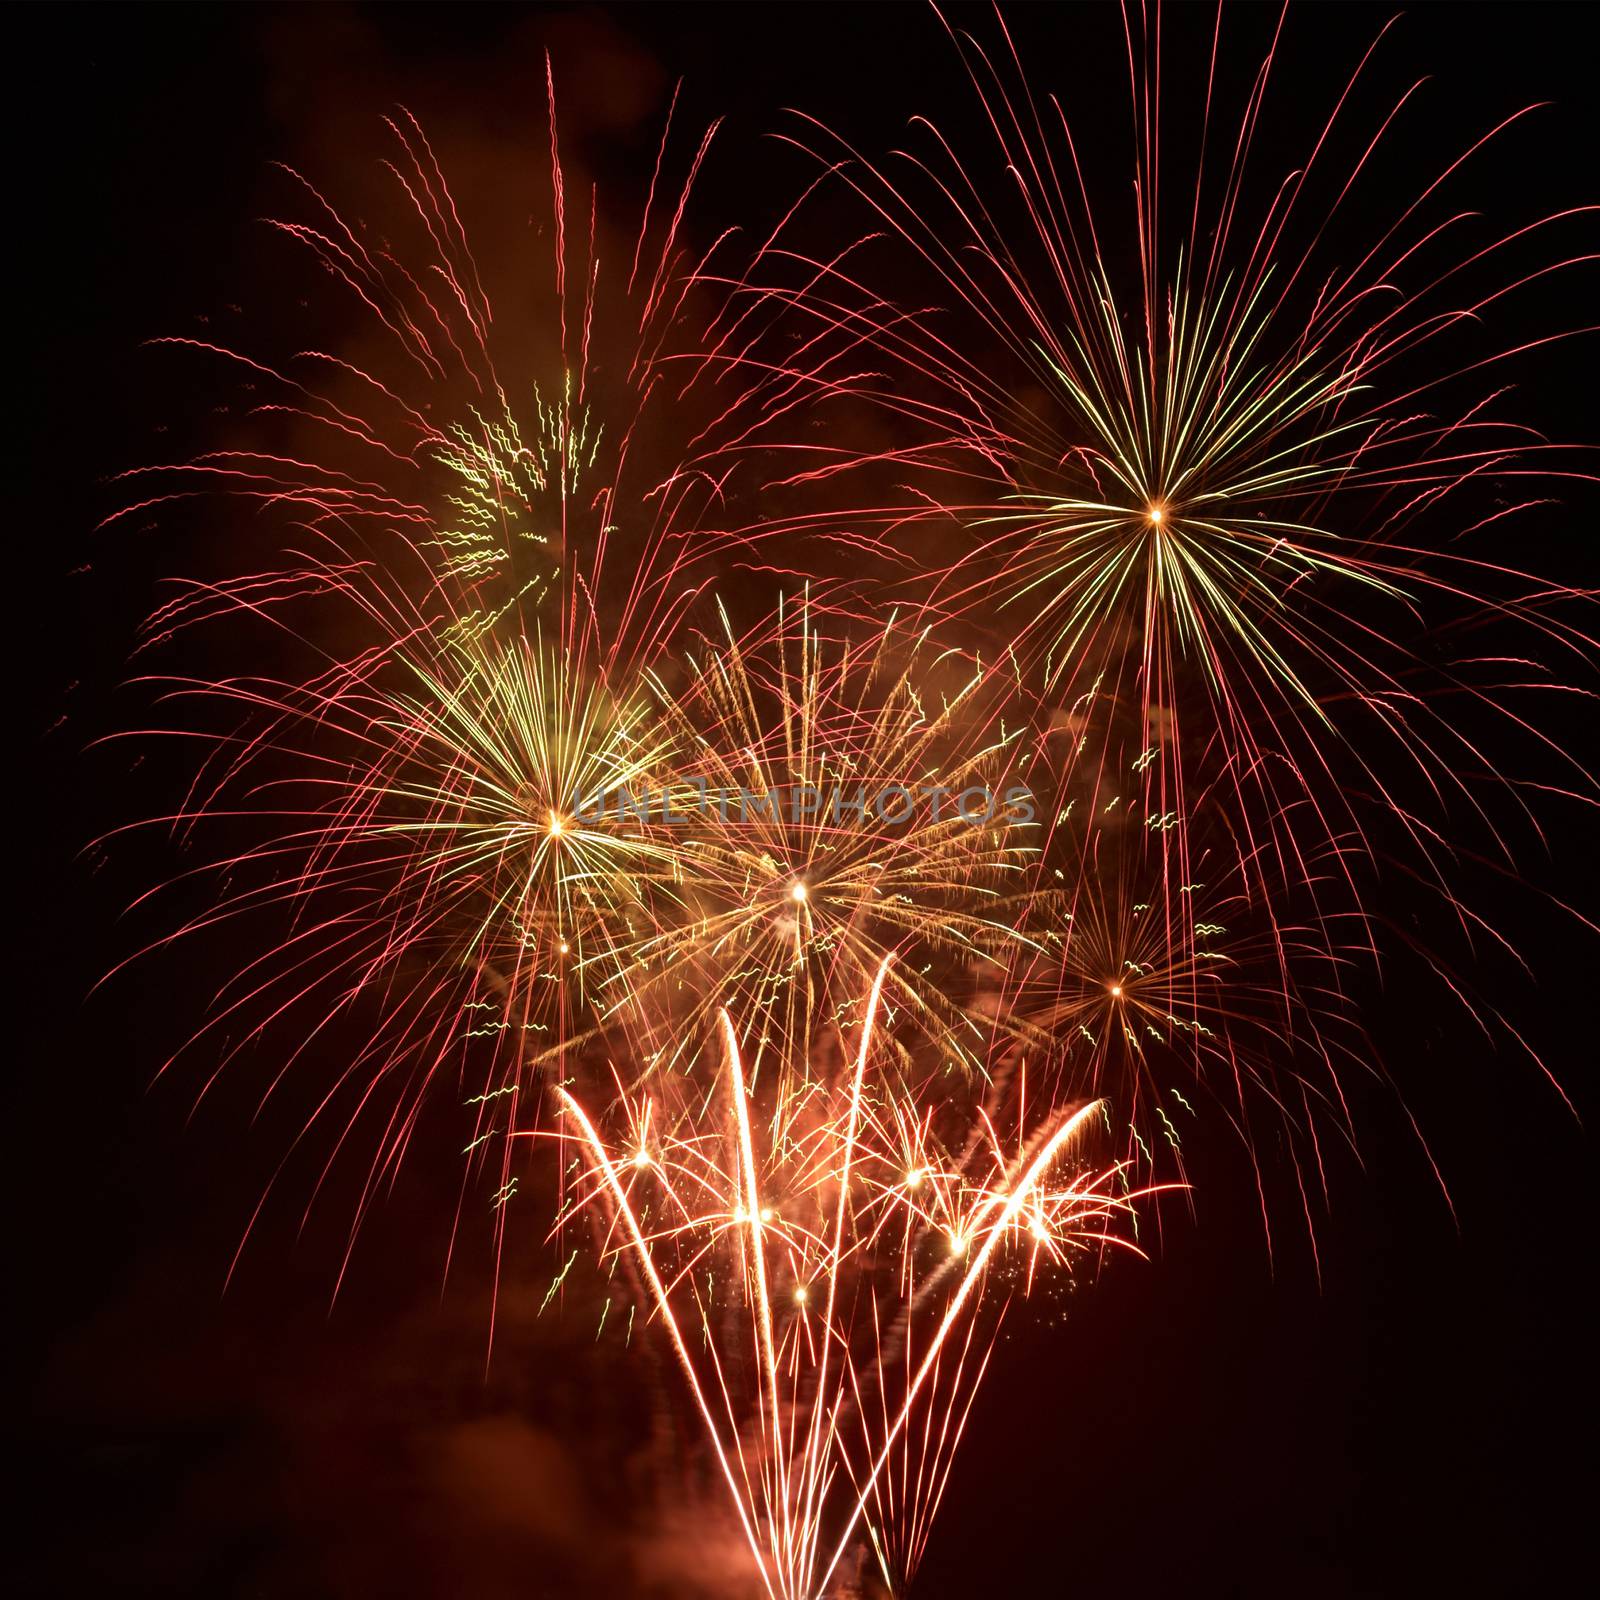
(798, 893)
(1116, 991)
(914, 1178)
(564, 947)
(1157, 515)
(557, 826)
(801, 1295)
(642, 1158)
(958, 1243)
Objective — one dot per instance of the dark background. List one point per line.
(1212, 1422)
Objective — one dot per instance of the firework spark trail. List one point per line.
(471, 575)
(783, 1222)
(1164, 996)
(1208, 496)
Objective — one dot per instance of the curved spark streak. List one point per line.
(1008, 1212)
(788, 1517)
(664, 1307)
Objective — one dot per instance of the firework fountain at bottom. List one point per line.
(829, 1266)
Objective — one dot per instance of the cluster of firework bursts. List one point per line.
(843, 958)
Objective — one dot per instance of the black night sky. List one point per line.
(1210, 1422)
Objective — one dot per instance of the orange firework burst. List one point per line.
(847, 800)
(857, 1233)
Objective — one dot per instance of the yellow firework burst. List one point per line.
(845, 801)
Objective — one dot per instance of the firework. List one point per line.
(820, 1269)
(847, 799)
(820, 940)
(444, 657)
(1212, 503)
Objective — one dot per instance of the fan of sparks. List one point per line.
(821, 1258)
